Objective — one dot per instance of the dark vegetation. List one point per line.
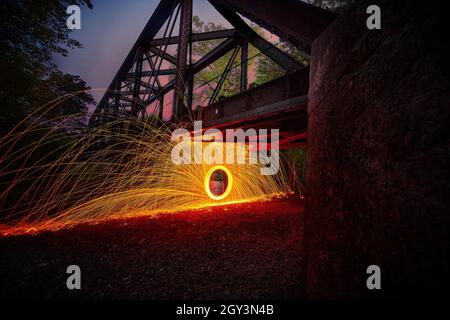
(31, 33)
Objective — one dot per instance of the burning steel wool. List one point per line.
(112, 172)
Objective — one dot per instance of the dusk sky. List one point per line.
(108, 32)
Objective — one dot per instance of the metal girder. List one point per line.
(244, 65)
(169, 86)
(280, 103)
(212, 35)
(150, 88)
(163, 54)
(224, 75)
(162, 12)
(264, 111)
(141, 83)
(153, 71)
(164, 72)
(137, 79)
(278, 56)
(141, 91)
(117, 98)
(278, 95)
(182, 64)
(161, 106)
(288, 122)
(293, 20)
(138, 101)
(214, 54)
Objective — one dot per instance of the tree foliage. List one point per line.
(31, 33)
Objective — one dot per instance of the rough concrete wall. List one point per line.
(378, 168)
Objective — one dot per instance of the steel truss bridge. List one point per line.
(280, 103)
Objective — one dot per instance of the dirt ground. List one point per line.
(241, 251)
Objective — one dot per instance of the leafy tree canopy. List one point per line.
(31, 33)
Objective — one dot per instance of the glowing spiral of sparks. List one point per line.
(208, 179)
(131, 175)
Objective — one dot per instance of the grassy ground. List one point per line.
(251, 250)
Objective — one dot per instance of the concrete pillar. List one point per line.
(378, 154)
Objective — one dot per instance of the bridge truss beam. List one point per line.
(154, 68)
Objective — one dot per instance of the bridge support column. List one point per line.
(117, 99)
(377, 152)
(182, 68)
(161, 106)
(137, 83)
(244, 65)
